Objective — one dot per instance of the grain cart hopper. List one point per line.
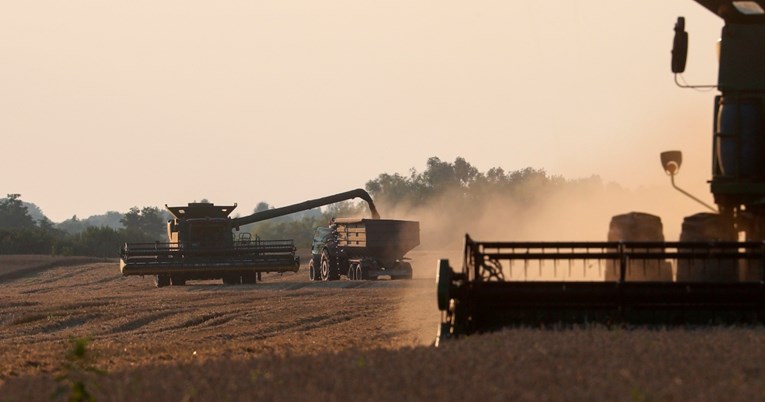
(201, 245)
(710, 276)
(363, 249)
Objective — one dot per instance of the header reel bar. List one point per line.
(568, 283)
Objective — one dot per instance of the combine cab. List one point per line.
(709, 277)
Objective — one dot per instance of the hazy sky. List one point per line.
(106, 105)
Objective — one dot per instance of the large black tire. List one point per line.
(638, 226)
(706, 227)
(250, 278)
(363, 270)
(314, 272)
(352, 268)
(177, 280)
(232, 279)
(161, 280)
(406, 269)
(328, 267)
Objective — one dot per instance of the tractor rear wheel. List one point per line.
(328, 269)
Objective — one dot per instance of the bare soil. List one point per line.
(290, 339)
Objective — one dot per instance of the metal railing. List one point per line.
(613, 261)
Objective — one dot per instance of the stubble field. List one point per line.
(290, 339)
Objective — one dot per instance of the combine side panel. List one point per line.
(564, 283)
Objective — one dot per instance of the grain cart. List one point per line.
(201, 245)
(363, 249)
(709, 277)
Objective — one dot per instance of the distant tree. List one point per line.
(152, 221)
(462, 181)
(346, 209)
(34, 211)
(99, 242)
(144, 224)
(46, 225)
(72, 225)
(262, 206)
(14, 214)
(110, 219)
(25, 241)
(132, 220)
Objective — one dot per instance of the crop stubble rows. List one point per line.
(131, 323)
(290, 339)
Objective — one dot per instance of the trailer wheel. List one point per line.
(406, 268)
(161, 280)
(352, 272)
(177, 280)
(359, 274)
(328, 270)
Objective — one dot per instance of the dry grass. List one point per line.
(288, 339)
(521, 364)
(17, 266)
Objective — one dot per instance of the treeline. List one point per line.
(448, 188)
(22, 234)
(457, 191)
(463, 183)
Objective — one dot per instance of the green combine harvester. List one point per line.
(202, 245)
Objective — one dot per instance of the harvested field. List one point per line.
(290, 339)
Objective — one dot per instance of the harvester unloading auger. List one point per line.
(708, 277)
(201, 245)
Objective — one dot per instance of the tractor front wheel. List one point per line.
(314, 273)
(328, 269)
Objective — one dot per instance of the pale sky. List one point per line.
(105, 105)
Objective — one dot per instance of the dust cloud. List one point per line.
(574, 211)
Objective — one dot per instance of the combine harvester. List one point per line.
(201, 245)
(636, 278)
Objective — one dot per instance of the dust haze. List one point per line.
(578, 210)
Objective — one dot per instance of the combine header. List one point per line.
(708, 277)
(201, 245)
(561, 283)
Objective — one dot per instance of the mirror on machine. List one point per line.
(679, 46)
(671, 161)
